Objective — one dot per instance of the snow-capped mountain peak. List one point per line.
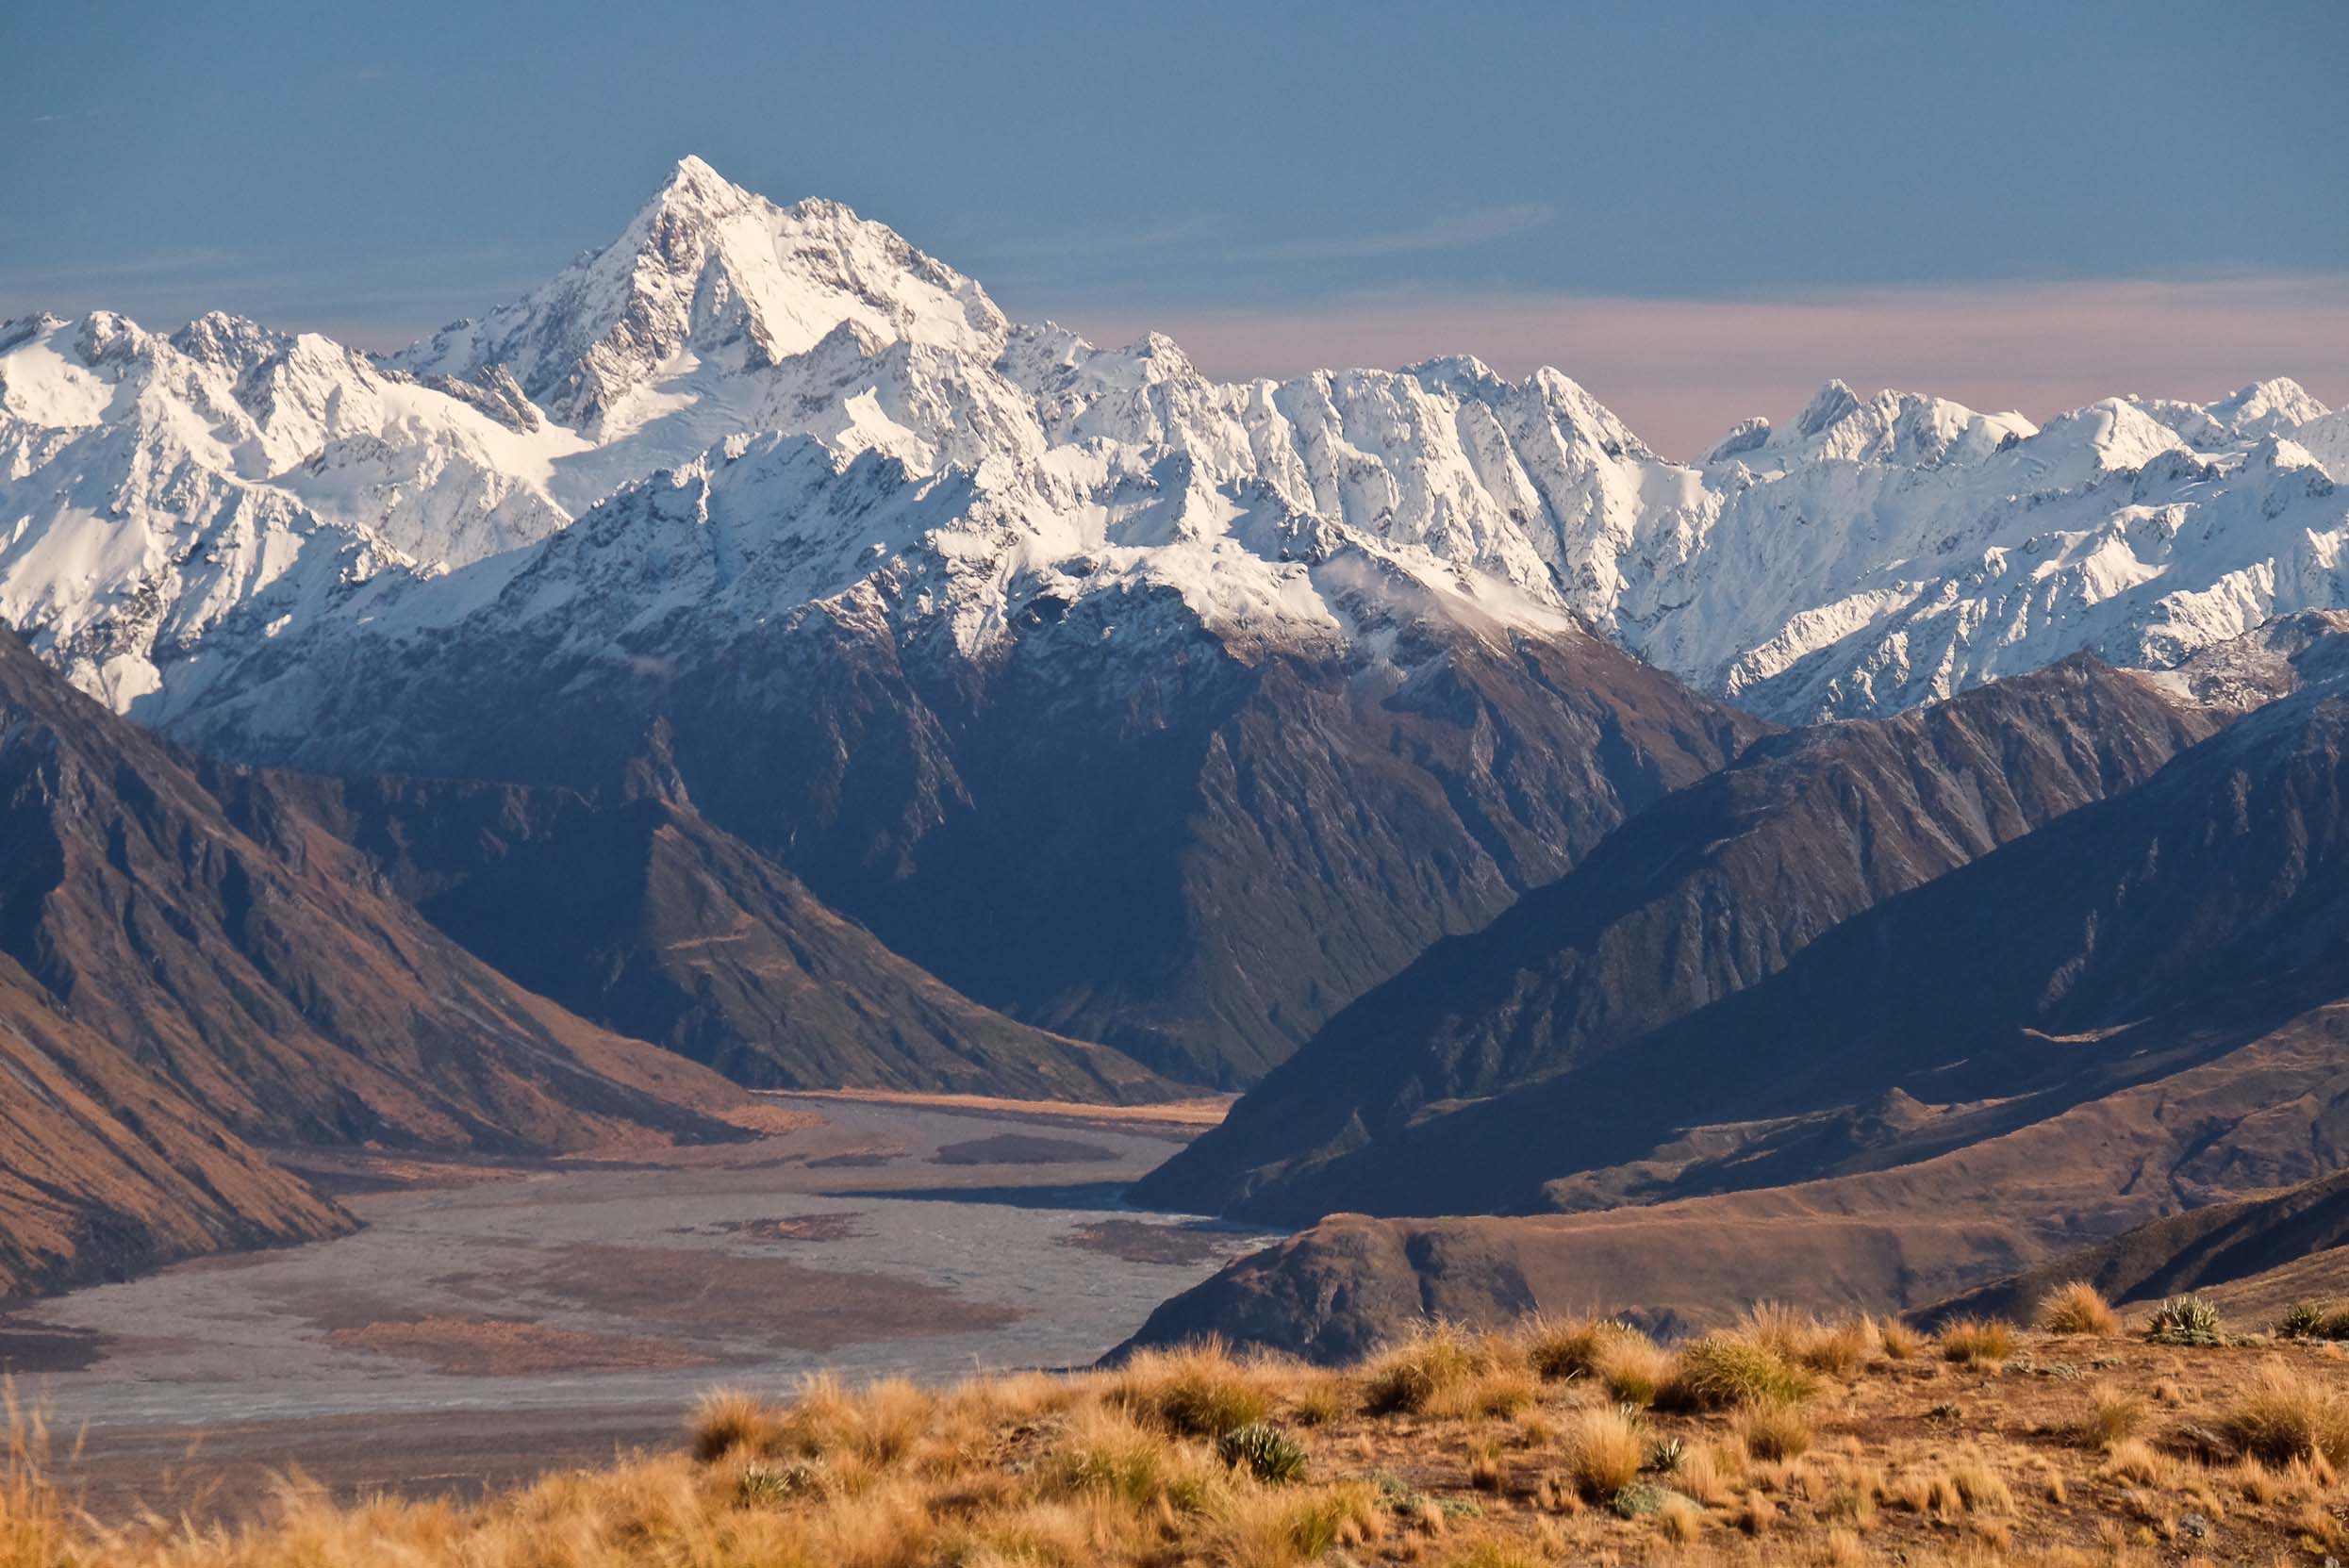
(2268, 407)
(710, 274)
(1904, 428)
(181, 502)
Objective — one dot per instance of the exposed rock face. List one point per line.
(646, 918)
(1701, 894)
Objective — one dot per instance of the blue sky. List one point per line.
(1683, 205)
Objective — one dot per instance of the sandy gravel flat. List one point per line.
(491, 1322)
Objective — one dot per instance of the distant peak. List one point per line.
(1448, 367)
(217, 335)
(1832, 403)
(2277, 402)
(695, 173)
(2276, 389)
(1747, 435)
(694, 186)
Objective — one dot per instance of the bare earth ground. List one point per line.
(492, 1321)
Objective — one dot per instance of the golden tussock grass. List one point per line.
(1900, 1342)
(1773, 1432)
(1600, 1451)
(1680, 1519)
(2107, 1416)
(1968, 1340)
(1840, 1347)
(1616, 1356)
(1724, 1371)
(1202, 1389)
(1433, 1366)
(1454, 1446)
(2287, 1416)
(2077, 1308)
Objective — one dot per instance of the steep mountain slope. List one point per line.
(1188, 829)
(2227, 1108)
(196, 495)
(277, 988)
(1701, 894)
(648, 919)
(105, 1171)
(1154, 710)
(2132, 1010)
(2206, 905)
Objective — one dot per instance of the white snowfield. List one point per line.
(741, 410)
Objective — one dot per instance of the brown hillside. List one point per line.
(280, 988)
(652, 921)
(104, 1171)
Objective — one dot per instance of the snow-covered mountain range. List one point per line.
(760, 408)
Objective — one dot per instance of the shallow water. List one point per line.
(475, 1333)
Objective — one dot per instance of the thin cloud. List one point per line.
(202, 262)
(1158, 237)
(1469, 228)
(1680, 371)
(1212, 238)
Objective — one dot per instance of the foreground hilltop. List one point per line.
(1783, 1440)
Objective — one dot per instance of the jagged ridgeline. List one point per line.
(1150, 709)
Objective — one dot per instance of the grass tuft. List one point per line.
(727, 1419)
(2077, 1308)
(1430, 1368)
(1773, 1432)
(2109, 1417)
(1900, 1342)
(1726, 1371)
(2285, 1417)
(1602, 1451)
(1201, 1389)
(1969, 1340)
